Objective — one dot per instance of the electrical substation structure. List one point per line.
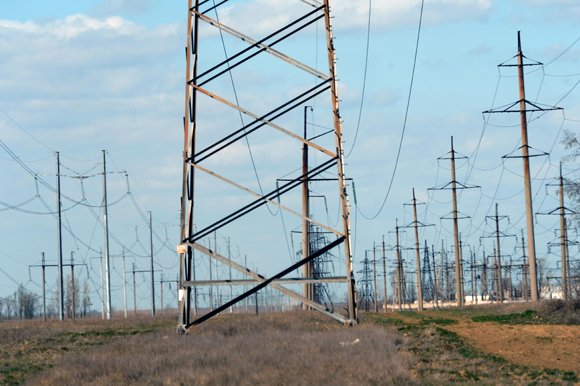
(209, 141)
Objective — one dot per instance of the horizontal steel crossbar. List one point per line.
(291, 280)
(265, 282)
(261, 121)
(261, 201)
(266, 47)
(257, 45)
(271, 201)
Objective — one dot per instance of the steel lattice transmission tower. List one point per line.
(262, 115)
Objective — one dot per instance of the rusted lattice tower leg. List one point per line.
(208, 81)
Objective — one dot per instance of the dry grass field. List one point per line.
(507, 344)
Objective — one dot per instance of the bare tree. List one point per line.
(571, 141)
(10, 306)
(26, 302)
(71, 302)
(86, 301)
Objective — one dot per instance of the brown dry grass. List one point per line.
(28, 347)
(274, 349)
(284, 348)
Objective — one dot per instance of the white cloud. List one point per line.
(269, 15)
(72, 26)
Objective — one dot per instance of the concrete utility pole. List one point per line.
(107, 259)
(43, 288)
(124, 283)
(525, 106)
(454, 185)
(161, 294)
(564, 241)
(152, 264)
(435, 285)
(59, 241)
(306, 268)
(399, 268)
(375, 301)
(384, 276)
(484, 290)
(134, 292)
(230, 272)
(498, 251)
(416, 224)
(43, 265)
(461, 272)
(497, 235)
(565, 261)
(473, 276)
(72, 273)
(103, 315)
(527, 180)
(524, 271)
(445, 268)
(458, 294)
(417, 255)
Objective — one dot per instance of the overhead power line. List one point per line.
(404, 121)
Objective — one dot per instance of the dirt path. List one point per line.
(540, 346)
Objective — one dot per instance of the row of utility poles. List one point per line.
(521, 107)
(484, 278)
(106, 292)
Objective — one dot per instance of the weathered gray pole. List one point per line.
(306, 268)
(59, 241)
(124, 283)
(563, 238)
(152, 264)
(498, 251)
(384, 276)
(107, 259)
(527, 180)
(458, 274)
(435, 285)
(399, 268)
(72, 274)
(134, 292)
(417, 255)
(43, 288)
(524, 270)
(375, 278)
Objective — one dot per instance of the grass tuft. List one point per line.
(526, 317)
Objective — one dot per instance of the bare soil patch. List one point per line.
(540, 346)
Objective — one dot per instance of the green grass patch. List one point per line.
(388, 321)
(439, 321)
(13, 374)
(526, 317)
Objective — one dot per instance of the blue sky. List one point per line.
(84, 76)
